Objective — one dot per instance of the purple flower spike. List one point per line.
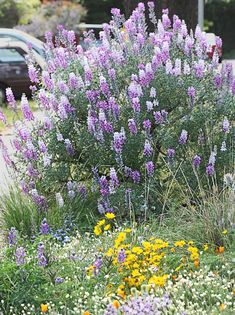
(12, 236)
(148, 150)
(44, 228)
(97, 266)
(33, 75)
(20, 255)
(226, 126)
(121, 256)
(28, 115)
(183, 137)
(10, 98)
(170, 153)
(210, 170)
(135, 177)
(197, 161)
(149, 168)
(132, 126)
(192, 93)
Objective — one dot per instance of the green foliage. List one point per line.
(27, 10)
(9, 15)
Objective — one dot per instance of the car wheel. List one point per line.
(2, 95)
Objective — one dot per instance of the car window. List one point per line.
(10, 55)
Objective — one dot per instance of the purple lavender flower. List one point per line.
(28, 115)
(132, 126)
(20, 255)
(118, 141)
(136, 104)
(225, 125)
(121, 256)
(233, 87)
(160, 116)
(12, 236)
(218, 80)
(135, 176)
(218, 42)
(183, 137)
(44, 228)
(59, 280)
(170, 153)
(10, 98)
(71, 37)
(48, 123)
(210, 170)
(104, 186)
(33, 75)
(63, 87)
(147, 124)
(42, 146)
(47, 81)
(149, 168)
(148, 150)
(42, 261)
(69, 147)
(82, 191)
(192, 94)
(3, 117)
(73, 80)
(97, 265)
(197, 161)
(114, 178)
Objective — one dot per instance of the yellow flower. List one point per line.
(44, 308)
(135, 273)
(225, 232)
(107, 227)
(158, 280)
(190, 243)
(222, 307)
(109, 253)
(86, 313)
(137, 250)
(110, 215)
(147, 246)
(194, 256)
(128, 230)
(120, 291)
(101, 222)
(90, 270)
(97, 230)
(179, 243)
(205, 247)
(120, 238)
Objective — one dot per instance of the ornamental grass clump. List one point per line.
(125, 118)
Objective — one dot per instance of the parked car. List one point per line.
(13, 67)
(17, 35)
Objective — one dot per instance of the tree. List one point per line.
(185, 9)
(8, 13)
(99, 12)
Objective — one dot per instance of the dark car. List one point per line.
(13, 68)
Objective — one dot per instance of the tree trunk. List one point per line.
(185, 9)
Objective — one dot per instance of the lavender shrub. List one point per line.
(133, 109)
